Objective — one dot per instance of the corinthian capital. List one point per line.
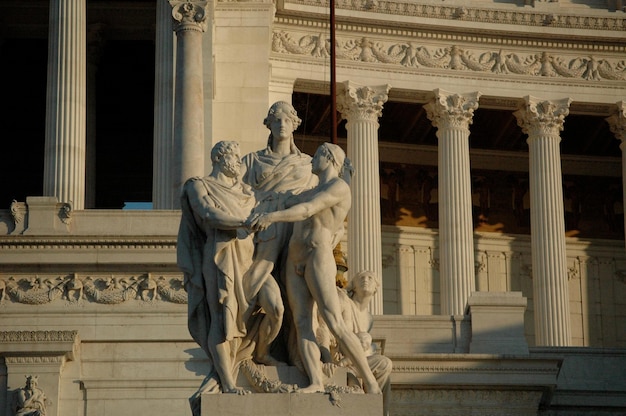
(617, 122)
(358, 102)
(448, 110)
(189, 14)
(539, 118)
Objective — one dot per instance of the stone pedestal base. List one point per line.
(292, 404)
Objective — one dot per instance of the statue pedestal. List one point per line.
(292, 404)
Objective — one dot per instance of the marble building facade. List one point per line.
(493, 302)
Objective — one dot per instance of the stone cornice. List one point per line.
(462, 56)
(418, 32)
(523, 17)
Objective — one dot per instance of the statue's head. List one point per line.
(31, 381)
(226, 157)
(365, 282)
(282, 107)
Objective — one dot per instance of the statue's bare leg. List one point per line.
(271, 302)
(320, 279)
(301, 304)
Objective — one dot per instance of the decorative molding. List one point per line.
(37, 336)
(476, 14)
(64, 243)
(37, 360)
(18, 211)
(102, 289)
(454, 57)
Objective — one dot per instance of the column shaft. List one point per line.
(361, 107)
(162, 190)
(64, 163)
(617, 123)
(188, 146)
(452, 114)
(543, 121)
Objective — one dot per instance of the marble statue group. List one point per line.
(256, 247)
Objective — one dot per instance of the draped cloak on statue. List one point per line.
(206, 254)
(274, 178)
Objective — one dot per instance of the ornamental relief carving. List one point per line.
(452, 57)
(511, 17)
(108, 290)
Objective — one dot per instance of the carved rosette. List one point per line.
(452, 111)
(189, 15)
(617, 123)
(362, 102)
(542, 118)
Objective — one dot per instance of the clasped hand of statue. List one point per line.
(258, 221)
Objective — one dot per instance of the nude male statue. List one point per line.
(318, 216)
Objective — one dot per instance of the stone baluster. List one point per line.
(190, 22)
(66, 111)
(542, 121)
(617, 123)
(452, 114)
(361, 106)
(162, 190)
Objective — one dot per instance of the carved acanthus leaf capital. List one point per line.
(542, 117)
(448, 110)
(189, 14)
(359, 102)
(617, 122)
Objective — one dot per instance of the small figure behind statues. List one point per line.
(30, 400)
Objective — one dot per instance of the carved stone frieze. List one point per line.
(109, 290)
(475, 14)
(37, 336)
(34, 290)
(453, 57)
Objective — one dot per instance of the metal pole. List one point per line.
(333, 83)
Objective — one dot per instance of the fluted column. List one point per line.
(617, 123)
(452, 114)
(190, 21)
(162, 190)
(64, 160)
(361, 106)
(542, 121)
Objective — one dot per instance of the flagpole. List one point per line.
(333, 82)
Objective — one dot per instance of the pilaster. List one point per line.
(617, 123)
(190, 21)
(361, 106)
(64, 160)
(452, 114)
(542, 121)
